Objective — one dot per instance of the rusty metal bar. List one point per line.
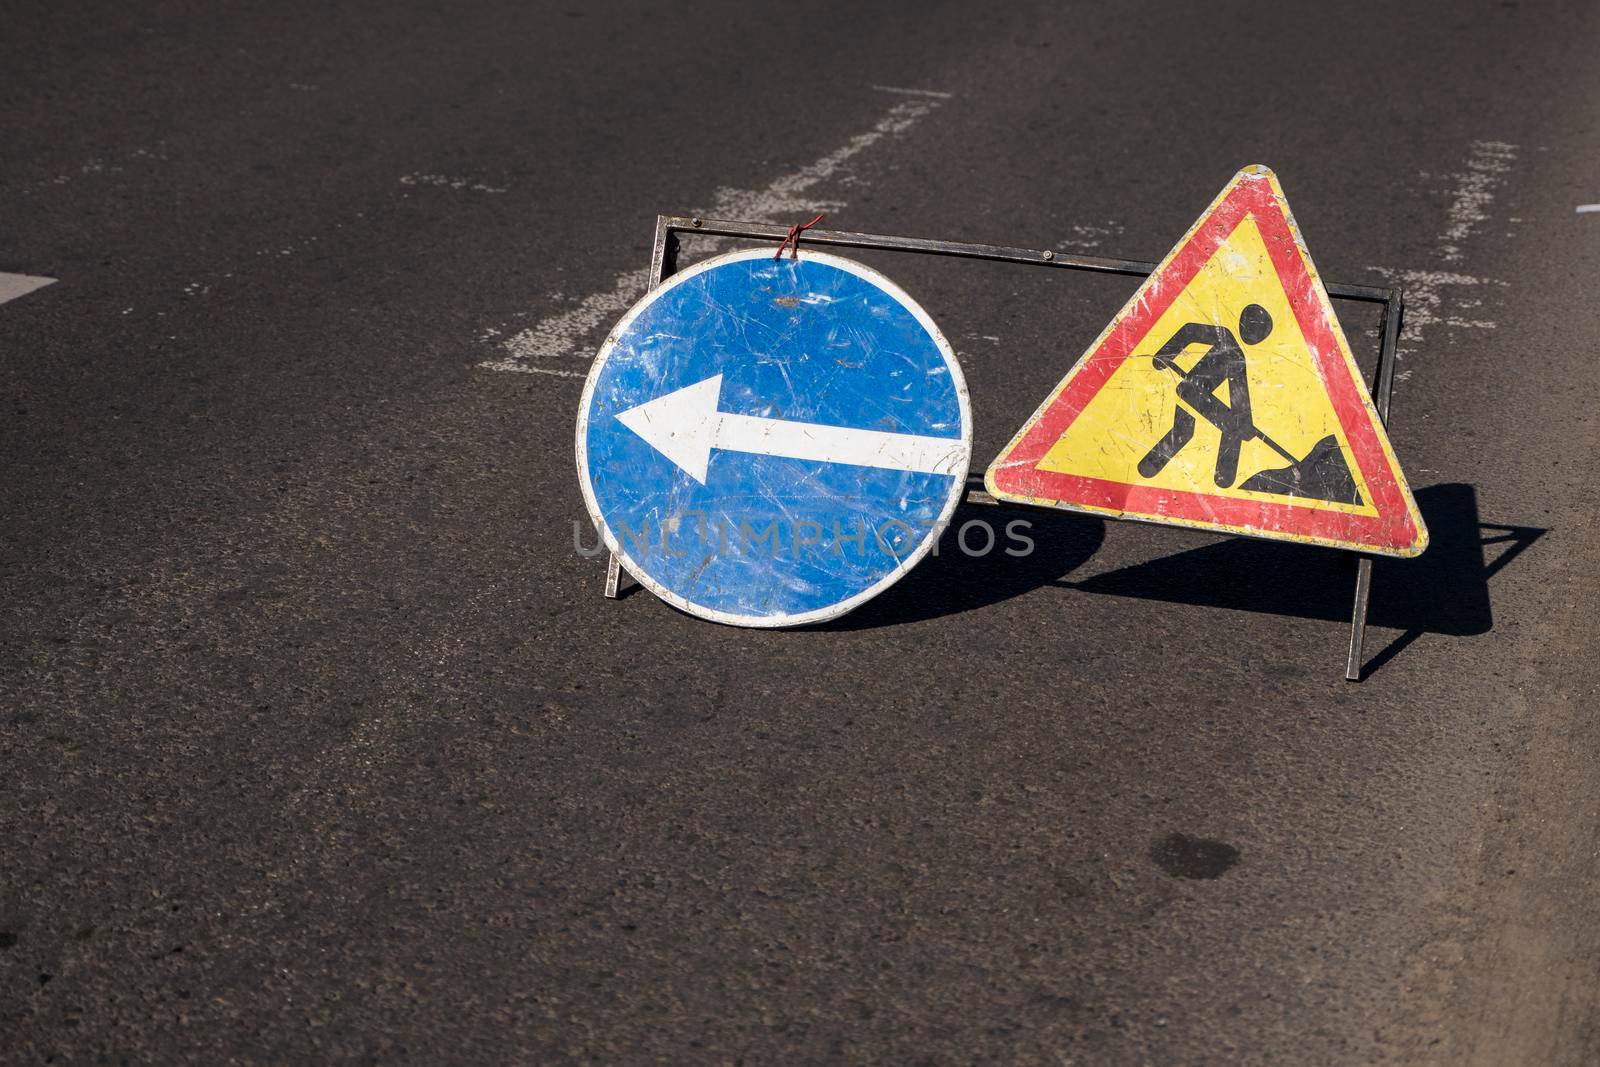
(961, 249)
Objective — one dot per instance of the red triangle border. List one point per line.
(1394, 529)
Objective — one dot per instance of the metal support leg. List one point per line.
(663, 262)
(1358, 619)
(1382, 392)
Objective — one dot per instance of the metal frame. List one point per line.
(664, 261)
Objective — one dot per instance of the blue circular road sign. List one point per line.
(773, 442)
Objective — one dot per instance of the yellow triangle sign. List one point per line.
(1223, 396)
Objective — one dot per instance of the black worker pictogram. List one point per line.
(1322, 473)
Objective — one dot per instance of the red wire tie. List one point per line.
(792, 241)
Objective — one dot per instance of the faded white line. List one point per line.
(15, 285)
(784, 198)
(1439, 297)
(563, 335)
(560, 335)
(1427, 294)
(557, 371)
(445, 181)
(94, 167)
(1474, 192)
(1087, 237)
(1425, 304)
(931, 93)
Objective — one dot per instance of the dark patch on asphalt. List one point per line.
(1183, 856)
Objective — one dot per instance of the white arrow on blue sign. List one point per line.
(773, 443)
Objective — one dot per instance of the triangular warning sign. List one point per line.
(1223, 397)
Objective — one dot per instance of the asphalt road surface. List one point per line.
(321, 745)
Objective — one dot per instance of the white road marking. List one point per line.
(783, 197)
(447, 182)
(1088, 237)
(1474, 192)
(1586, 209)
(15, 285)
(93, 167)
(562, 335)
(685, 426)
(1425, 303)
(931, 93)
(1428, 293)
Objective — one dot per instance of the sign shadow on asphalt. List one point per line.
(1444, 591)
(983, 559)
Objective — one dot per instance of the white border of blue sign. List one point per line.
(833, 611)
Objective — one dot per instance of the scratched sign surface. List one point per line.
(771, 443)
(1223, 396)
